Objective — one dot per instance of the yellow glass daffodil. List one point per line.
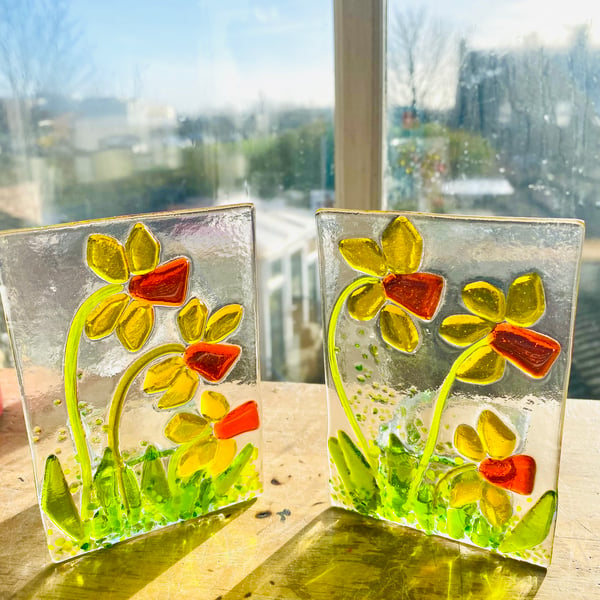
(501, 323)
(136, 263)
(491, 446)
(397, 291)
(206, 439)
(205, 356)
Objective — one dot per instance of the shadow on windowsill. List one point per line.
(117, 572)
(342, 555)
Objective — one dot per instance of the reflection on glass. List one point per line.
(494, 111)
(118, 108)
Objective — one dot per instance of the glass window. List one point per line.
(276, 267)
(277, 359)
(495, 110)
(111, 108)
(297, 277)
(314, 296)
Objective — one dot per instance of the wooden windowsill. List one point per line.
(261, 550)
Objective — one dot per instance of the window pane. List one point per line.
(493, 109)
(297, 286)
(111, 108)
(277, 363)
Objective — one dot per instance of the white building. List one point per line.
(289, 299)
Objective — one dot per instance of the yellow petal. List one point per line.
(467, 442)
(102, 320)
(223, 323)
(213, 405)
(525, 301)
(485, 300)
(483, 366)
(398, 329)
(465, 489)
(196, 457)
(181, 391)
(184, 427)
(463, 330)
(495, 504)
(135, 325)
(402, 246)
(364, 302)
(498, 440)
(224, 455)
(191, 319)
(106, 257)
(159, 376)
(142, 250)
(364, 254)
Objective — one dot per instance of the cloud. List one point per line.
(212, 84)
(508, 24)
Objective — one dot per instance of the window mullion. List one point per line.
(360, 50)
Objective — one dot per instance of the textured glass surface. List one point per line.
(448, 347)
(135, 345)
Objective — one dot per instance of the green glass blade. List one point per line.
(57, 501)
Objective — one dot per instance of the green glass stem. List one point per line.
(71, 396)
(434, 428)
(118, 401)
(335, 371)
(132, 462)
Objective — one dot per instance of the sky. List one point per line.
(510, 23)
(199, 55)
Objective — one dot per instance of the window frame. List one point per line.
(360, 32)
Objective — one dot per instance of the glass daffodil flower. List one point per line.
(207, 440)
(398, 292)
(497, 469)
(205, 356)
(149, 284)
(498, 330)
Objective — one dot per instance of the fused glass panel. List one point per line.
(447, 371)
(141, 335)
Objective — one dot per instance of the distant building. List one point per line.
(538, 108)
(290, 302)
(103, 123)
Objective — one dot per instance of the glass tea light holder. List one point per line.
(143, 332)
(448, 343)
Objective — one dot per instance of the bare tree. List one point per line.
(422, 59)
(41, 48)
